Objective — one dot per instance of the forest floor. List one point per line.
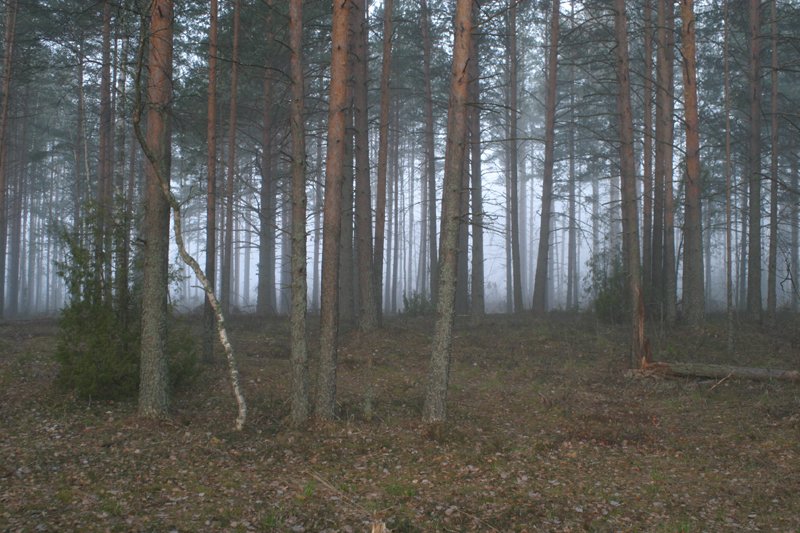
(546, 432)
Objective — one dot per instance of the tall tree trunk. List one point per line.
(435, 406)
(663, 60)
(347, 311)
(80, 151)
(540, 283)
(430, 155)
(267, 297)
(572, 253)
(670, 276)
(383, 157)
(795, 244)
(367, 309)
(693, 291)
(325, 404)
(630, 217)
(462, 268)
(647, 203)
(728, 190)
(300, 404)
(512, 149)
(105, 162)
(317, 226)
(154, 383)
(742, 284)
(8, 61)
(211, 183)
(754, 174)
(227, 263)
(15, 215)
(772, 267)
(478, 307)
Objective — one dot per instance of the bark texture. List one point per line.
(325, 401)
(542, 261)
(754, 173)
(300, 404)
(693, 291)
(434, 408)
(211, 181)
(630, 215)
(154, 382)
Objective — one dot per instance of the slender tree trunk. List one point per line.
(693, 292)
(105, 168)
(390, 186)
(383, 153)
(13, 294)
(772, 267)
(300, 404)
(572, 253)
(368, 310)
(663, 60)
(462, 268)
(728, 192)
(211, 182)
(325, 406)
(647, 203)
(512, 150)
(435, 407)
(478, 307)
(540, 283)
(754, 174)
(227, 263)
(670, 277)
(267, 297)
(80, 175)
(430, 155)
(742, 285)
(317, 226)
(630, 218)
(795, 245)
(154, 383)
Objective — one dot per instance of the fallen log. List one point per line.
(700, 370)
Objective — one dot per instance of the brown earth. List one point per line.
(546, 432)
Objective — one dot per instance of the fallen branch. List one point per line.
(722, 372)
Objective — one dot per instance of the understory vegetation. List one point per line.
(547, 431)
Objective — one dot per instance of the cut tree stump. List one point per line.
(699, 370)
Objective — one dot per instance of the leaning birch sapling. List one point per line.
(176, 215)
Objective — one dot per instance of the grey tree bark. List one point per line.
(435, 406)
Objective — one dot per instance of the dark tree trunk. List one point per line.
(693, 291)
(383, 153)
(647, 203)
(267, 297)
(430, 155)
(478, 307)
(367, 302)
(227, 263)
(772, 266)
(8, 61)
(209, 319)
(154, 383)
(754, 174)
(300, 404)
(512, 149)
(540, 283)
